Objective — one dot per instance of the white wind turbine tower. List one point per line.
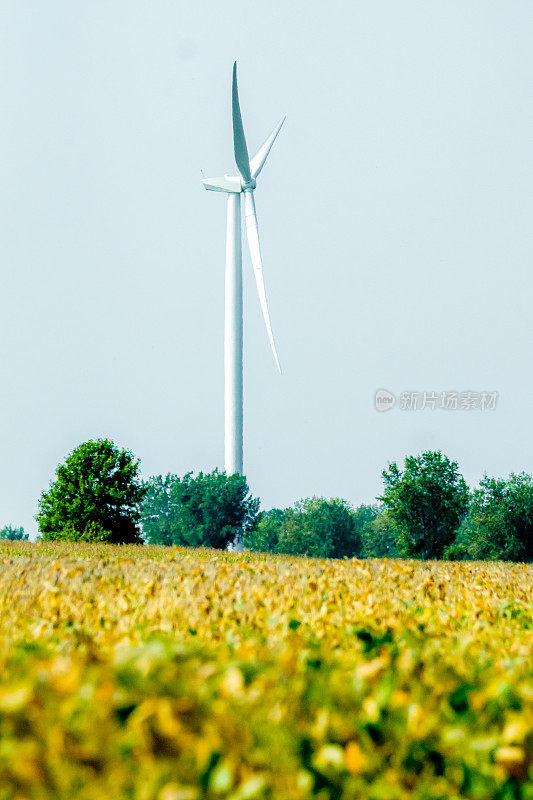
(234, 186)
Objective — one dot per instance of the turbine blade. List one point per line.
(239, 142)
(252, 235)
(256, 164)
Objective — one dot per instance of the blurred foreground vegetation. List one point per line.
(163, 673)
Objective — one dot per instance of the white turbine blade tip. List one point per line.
(252, 235)
(257, 162)
(239, 140)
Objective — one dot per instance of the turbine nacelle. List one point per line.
(226, 184)
(229, 183)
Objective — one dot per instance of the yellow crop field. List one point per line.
(152, 673)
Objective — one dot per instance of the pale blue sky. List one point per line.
(395, 216)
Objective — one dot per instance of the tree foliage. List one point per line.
(363, 517)
(209, 510)
(265, 536)
(379, 537)
(500, 521)
(320, 528)
(426, 501)
(157, 512)
(94, 497)
(323, 528)
(15, 534)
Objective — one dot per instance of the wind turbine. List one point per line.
(235, 186)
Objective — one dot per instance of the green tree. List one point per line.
(13, 533)
(379, 537)
(160, 520)
(209, 510)
(363, 517)
(95, 496)
(426, 502)
(500, 523)
(460, 549)
(320, 528)
(265, 536)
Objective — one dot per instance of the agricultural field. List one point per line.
(153, 673)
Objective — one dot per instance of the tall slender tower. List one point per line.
(235, 186)
(233, 324)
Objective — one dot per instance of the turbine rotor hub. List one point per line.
(251, 184)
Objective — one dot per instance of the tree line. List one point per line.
(426, 510)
